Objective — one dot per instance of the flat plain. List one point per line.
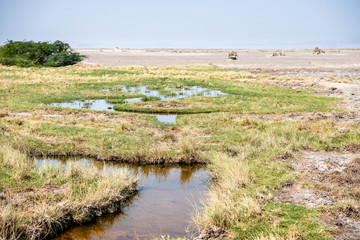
(282, 144)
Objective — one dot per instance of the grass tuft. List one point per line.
(60, 196)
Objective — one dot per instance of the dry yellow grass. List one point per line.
(46, 209)
(228, 201)
(292, 235)
(19, 162)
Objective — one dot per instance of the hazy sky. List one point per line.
(184, 23)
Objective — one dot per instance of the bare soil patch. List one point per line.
(308, 117)
(311, 71)
(347, 228)
(327, 178)
(307, 197)
(348, 91)
(323, 162)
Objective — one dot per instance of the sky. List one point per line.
(226, 24)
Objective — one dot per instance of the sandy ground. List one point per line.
(332, 62)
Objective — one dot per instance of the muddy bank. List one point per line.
(175, 138)
(164, 204)
(150, 158)
(47, 227)
(161, 203)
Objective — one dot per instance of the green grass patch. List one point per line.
(104, 72)
(43, 86)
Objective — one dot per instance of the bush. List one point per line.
(63, 59)
(29, 54)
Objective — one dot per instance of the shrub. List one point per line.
(29, 54)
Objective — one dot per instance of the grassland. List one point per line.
(41, 201)
(61, 85)
(249, 154)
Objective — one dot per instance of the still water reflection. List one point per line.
(163, 206)
(168, 93)
(103, 105)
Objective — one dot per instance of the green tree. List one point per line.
(29, 54)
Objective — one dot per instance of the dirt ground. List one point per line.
(304, 62)
(328, 179)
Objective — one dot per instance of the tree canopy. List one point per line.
(30, 54)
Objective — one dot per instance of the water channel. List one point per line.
(163, 206)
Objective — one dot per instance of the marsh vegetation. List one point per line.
(249, 139)
(38, 202)
(163, 205)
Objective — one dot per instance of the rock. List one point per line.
(275, 54)
(318, 51)
(232, 55)
(199, 237)
(211, 233)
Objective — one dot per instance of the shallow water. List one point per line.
(163, 205)
(164, 95)
(170, 93)
(102, 105)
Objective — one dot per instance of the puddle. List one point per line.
(170, 93)
(163, 205)
(149, 95)
(168, 118)
(99, 105)
(102, 105)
